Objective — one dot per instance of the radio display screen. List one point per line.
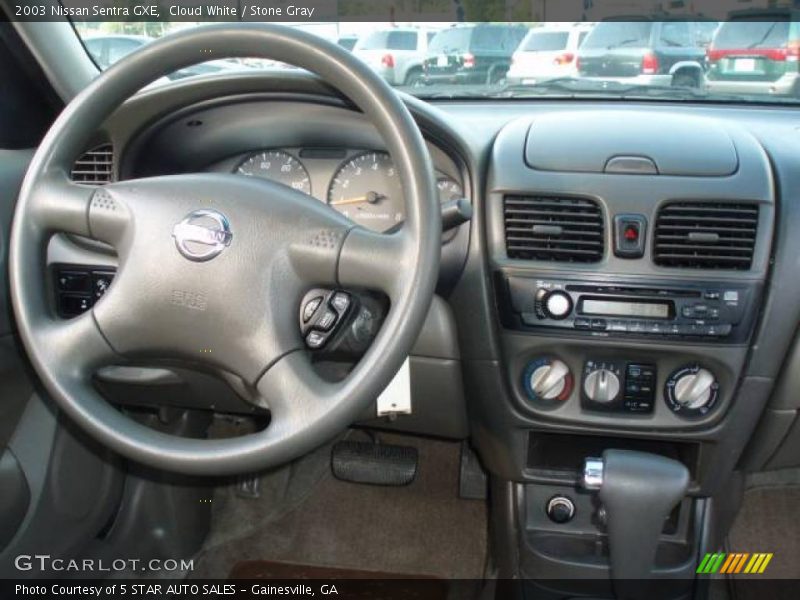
(622, 308)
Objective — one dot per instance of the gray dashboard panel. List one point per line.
(551, 143)
(622, 193)
(497, 412)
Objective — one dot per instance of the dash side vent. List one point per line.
(553, 228)
(706, 235)
(94, 167)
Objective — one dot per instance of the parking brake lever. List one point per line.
(638, 491)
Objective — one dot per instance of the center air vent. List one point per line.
(716, 235)
(553, 228)
(95, 167)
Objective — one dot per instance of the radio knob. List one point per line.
(601, 386)
(694, 390)
(558, 305)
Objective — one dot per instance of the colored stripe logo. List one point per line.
(734, 562)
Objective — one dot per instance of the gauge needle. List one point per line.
(371, 197)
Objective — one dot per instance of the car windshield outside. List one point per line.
(752, 34)
(744, 59)
(617, 34)
(544, 41)
(388, 40)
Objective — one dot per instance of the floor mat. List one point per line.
(315, 519)
(768, 522)
(359, 584)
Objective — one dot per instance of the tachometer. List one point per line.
(278, 166)
(367, 190)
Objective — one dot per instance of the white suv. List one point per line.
(546, 53)
(396, 53)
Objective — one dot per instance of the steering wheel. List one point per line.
(213, 267)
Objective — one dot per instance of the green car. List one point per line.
(752, 55)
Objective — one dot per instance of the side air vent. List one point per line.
(95, 167)
(718, 235)
(553, 228)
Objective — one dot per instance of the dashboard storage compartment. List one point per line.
(559, 456)
(591, 142)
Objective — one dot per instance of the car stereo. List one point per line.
(707, 310)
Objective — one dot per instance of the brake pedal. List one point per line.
(374, 464)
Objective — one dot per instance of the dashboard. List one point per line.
(617, 287)
(547, 338)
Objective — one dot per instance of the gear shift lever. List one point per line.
(638, 491)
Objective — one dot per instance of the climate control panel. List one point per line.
(619, 386)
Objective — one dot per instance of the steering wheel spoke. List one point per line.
(375, 261)
(294, 392)
(59, 205)
(76, 346)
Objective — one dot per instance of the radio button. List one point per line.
(599, 325)
(636, 327)
(618, 326)
(581, 323)
(711, 295)
(718, 330)
(654, 328)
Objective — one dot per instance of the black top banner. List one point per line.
(298, 11)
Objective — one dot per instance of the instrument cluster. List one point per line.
(361, 184)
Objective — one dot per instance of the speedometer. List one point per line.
(278, 166)
(367, 190)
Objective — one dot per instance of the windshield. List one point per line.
(617, 34)
(449, 40)
(388, 40)
(752, 34)
(671, 60)
(543, 41)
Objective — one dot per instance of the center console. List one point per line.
(624, 305)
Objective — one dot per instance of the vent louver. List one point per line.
(716, 235)
(95, 167)
(553, 228)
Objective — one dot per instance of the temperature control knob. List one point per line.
(547, 379)
(691, 390)
(601, 386)
(558, 305)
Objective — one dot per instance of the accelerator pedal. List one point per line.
(373, 463)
